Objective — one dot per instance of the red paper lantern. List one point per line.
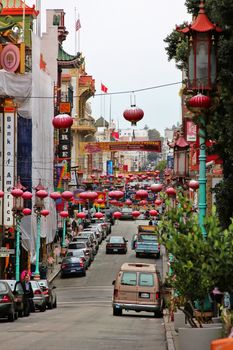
(44, 212)
(171, 192)
(81, 215)
(141, 194)
(64, 214)
(153, 212)
(143, 202)
(120, 204)
(62, 121)
(16, 192)
(88, 195)
(100, 201)
(26, 211)
(133, 115)
(136, 213)
(113, 202)
(42, 194)
(128, 202)
(200, 101)
(1, 194)
(193, 184)
(156, 188)
(67, 195)
(158, 202)
(55, 195)
(116, 194)
(27, 195)
(117, 214)
(99, 215)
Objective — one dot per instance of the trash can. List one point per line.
(222, 344)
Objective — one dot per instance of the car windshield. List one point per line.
(146, 279)
(148, 237)
(3, 287)
(70, 260)
(78, 253)
(129, 278)
(76, 245)
(116, 240)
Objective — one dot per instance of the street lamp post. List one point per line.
(38, 209)
(202, 75)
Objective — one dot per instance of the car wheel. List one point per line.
(20, 313)
(55, 304)
(43, 308)
(84, 274)
(158, 255)
(11, 317)
(137, 255)
(16, 315)
(50, 305)
(158, 314)
(117, 312)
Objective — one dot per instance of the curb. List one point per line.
(169, 334)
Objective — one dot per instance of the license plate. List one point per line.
(145, 295)
(73, 271)
(115, 250)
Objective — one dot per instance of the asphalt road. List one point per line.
(83, 319)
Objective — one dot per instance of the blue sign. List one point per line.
(170, 161)
(109, 167)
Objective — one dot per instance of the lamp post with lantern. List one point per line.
(39, 210)
(202, 75)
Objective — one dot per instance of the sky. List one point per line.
(122, 42)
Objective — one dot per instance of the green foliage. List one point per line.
(161, 166)
(153, 134)
(199, 264)
(177, 48)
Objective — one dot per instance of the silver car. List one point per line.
(39, 298)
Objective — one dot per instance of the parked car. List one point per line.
(98, 228)
(93, 239)
(97, 233)
(20, 300)
(79, 253)
(49, 293)
(116, 244)
(137, 287)
(39, 298)
(7, 302)
(84, 245)
(126, 214)
(72, 265)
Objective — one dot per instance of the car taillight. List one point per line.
(81, 263)
(115, 293)
(157, 295)
(37, 292)
(63, 266)
(159, 247)
(136, 245)
(46, 291)
(5, 299)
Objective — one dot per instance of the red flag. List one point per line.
(104, 88)
(77, 25)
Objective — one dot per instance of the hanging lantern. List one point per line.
(141, 194)
(26, 211)
(64, 214)
(136, 214)
(133, 115)
(113, 202)
(143, 202)
(41, 194)
(62, 121)
(100, 201)
(16, 192)
(81, 215)
(88, 195)
(171, 192)
(27, 195)
(1, 194)
(128, 202)
(116, 194)
(158, 202)
(193, 184)
(117, 215)
(67, 195)
(120, 204)
(153, 212)
(156, 188)
(55, 195)
(200, 101)
(44, 212)
(98, 215)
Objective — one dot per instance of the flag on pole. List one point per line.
(77, 25)
(104, 88)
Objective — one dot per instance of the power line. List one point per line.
(111, 93)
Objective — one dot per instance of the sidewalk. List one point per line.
(170, 333)
(54, 269)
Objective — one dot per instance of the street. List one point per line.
(83, 319)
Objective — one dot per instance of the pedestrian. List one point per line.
(150, 222)
(28, 293)
(9, 271)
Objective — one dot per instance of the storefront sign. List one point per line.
(145, 146)
(1, 162)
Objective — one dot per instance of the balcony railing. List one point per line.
(83, 125)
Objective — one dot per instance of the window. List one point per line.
(129, 279)
(146, 279)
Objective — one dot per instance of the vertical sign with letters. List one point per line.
(1, 164)
(9, 164)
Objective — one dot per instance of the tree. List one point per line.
(220, 122)
(154, 134)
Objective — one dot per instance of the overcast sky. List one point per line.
(122, 42)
